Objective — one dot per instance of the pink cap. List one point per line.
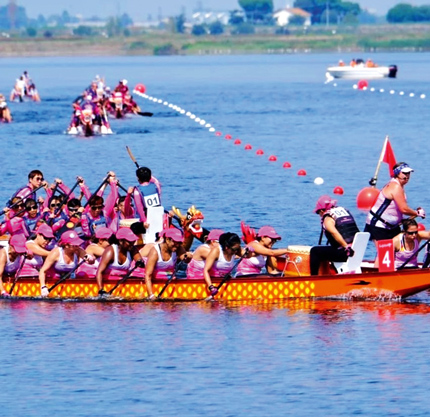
(268, 231)
(45, 230)
(103, 233)
(127, 234)
(18, 243)
(71, 237)
(325, 202)
(214, 234)
(174, 234)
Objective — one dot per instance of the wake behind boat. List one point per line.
(360, 70)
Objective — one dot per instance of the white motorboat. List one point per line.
(361, 72)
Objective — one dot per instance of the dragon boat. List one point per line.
(294, 282)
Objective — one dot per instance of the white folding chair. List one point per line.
(353, 264)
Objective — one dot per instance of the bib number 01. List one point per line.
(152, 200)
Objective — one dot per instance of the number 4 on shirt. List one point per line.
(386, 255)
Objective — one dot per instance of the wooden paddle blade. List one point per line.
(132, 156)
(147, 113)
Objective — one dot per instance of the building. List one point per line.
(282, 17)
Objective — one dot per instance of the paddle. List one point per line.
(65, 276)
(172, 277)
(17, 274)
(228, 275)
(147, 113)
(66, 198)
(123, 279)
(413, 255)
(21, 199)
(132, 156)
(98, 189)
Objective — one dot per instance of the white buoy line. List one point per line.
(195, 118)
(180, 110)
(392, 92)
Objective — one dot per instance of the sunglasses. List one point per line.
(55, 205)
(20, 205)
(412, 233)
(96, 207)
(48, 239)
(32, 208)
(73, 208)
(39, 178)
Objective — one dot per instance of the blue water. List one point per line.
(298, 358)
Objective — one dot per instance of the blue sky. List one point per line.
(140, 9)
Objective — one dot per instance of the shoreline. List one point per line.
(362, 39)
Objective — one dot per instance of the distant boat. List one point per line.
(360, 71)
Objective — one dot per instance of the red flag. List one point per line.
(389, 158)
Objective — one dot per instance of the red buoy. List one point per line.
(259, 152)
(362, 84)
(301, 172)
(273, 158)
(218, 133)
(287, 165)
(140, 88)
(366, 198)
(421, 226)
(248, 147)
(338, 190)
(237, 142)
(228, 137)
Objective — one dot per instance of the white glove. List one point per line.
(421, 212)
(44, 292)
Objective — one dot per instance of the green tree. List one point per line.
(336, 9)
(296, 20)
(198, 30)
(216, 28)
(180, 23)
(244, 29)
(257, 10)
(402, 12)
(83, 31)
(236, 17)
(31, 32)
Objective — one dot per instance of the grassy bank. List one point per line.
(316, 39)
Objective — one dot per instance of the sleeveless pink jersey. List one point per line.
(164, 268)
(390, 212)
(252, 265)
(403, 255)
(222, 266)
(195, 268)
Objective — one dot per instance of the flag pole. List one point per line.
(373, 180)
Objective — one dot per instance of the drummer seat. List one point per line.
(353, 264)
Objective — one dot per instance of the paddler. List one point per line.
(148, 193)
(385, 217)
(339, 226)
(11, 258)
(35, 181)
(406, 244)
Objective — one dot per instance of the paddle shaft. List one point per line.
(229, 275)
(21, 199)
(66, 198)
(122, 280)
(147, 114)
(98, 189)
(172, 277)
(373, 180)
(17, 274)
(65, 276)
(413, 255)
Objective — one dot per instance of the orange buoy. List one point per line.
(228, 137)
(248, 147)
(140, 88)
(362, 84)
(218, 133)
(301, 172)
(259, 152)
(273, 158)
(287, 165)
(338, 190)
(366, 198)
(237, 142)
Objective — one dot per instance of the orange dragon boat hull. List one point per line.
(369, 284)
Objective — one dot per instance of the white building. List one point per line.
(283, 16)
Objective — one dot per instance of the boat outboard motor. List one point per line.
(392, 71)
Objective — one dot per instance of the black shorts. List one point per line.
(379, 233)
